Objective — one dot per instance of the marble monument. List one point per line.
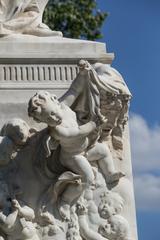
(64, 143)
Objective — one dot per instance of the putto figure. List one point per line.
(64, 128)
(13, 136)
(75, 175)
(24, 17)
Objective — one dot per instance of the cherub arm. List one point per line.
(8, 221)
(83, 130)
(77, 85)
(25, 212)
(85, 230)
(87, 128)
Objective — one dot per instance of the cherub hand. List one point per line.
(15, 204)
(84, 66)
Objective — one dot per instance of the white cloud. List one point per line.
(147, 189)
(145, 145)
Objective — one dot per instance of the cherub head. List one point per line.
(44, 107)
(17, 130)
(111, 204)
(116, 228)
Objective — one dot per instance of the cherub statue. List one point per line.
(13, 215)
(24, 17)
(88, 217)
(25, 221)
(116, 227)
(111, 204)
(14, 135)
(18, 223)
(17, 130)
(63, 126)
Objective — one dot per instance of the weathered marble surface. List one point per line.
(72, 179)
(69, 176)
(29, 64)
(18, 46)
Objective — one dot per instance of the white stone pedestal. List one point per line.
(29, 64)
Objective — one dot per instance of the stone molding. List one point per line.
(36, 75)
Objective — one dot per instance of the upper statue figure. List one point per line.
(24, 17)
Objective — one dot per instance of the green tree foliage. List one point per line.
(75, 18)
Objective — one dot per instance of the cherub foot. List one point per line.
(64, 211)
(114, 177)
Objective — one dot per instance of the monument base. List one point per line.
(29, 64)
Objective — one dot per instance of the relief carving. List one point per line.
(62, 182)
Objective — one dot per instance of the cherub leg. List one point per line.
(80, 165)
(68, 197)
(101, 153)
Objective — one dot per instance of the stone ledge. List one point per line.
(34, 86)
(30, 47)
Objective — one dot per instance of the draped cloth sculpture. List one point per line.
(62, 182)
(24, 17)
(92, 90)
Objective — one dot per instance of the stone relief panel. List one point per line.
(62, 182)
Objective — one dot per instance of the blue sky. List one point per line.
(132, 32)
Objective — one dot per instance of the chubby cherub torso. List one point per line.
(69, 133)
